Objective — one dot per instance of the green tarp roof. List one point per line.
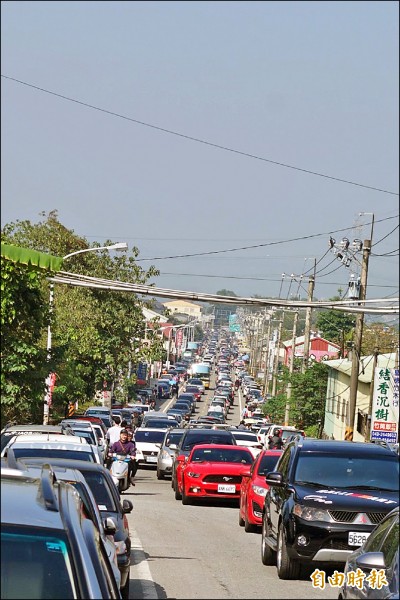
(33, 258)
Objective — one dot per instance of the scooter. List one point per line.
(120, 471)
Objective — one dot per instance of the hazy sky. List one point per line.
(310, 85)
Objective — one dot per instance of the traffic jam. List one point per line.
(326, 504)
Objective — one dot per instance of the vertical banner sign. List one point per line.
(233, 324)
(50, 383)
(385, 406)
(178, 340)
(141, 371)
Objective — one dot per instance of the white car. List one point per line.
(249, 440)
(216, 404)
(53, 446)
(148, 443)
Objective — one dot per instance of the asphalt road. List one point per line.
(199, 551)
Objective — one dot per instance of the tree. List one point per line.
(307, 400)
(23, 357)
(96, 334)
(334, 325)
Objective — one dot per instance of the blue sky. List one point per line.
(312, 85)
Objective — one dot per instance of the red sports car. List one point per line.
(214, 471)
(254, 488)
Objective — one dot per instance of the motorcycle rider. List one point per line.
(127, 448)
(275, 441)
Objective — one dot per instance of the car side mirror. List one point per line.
(181, 458)
(127, 506)
(371, 560)
(274, 478)
(110, 527)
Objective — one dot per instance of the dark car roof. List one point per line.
(221, 436)
(343, 447)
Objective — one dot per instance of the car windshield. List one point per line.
(362, 471)
(52, 453)
(35, 563)
(101, 491)
(243, 436)
(222, 455)
(157, 423)
(206, 439)
(267, 464)
(149, 436)
(87, 434)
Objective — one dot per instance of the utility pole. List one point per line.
(371, 396)
(255, 348)
(265, 383)
(358, 331)
(307, 326)
(276, 358)
(291, 365)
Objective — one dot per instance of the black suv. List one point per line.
(191, 438)
(325, 498)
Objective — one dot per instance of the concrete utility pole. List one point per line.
(291, 365)
(307, 326)
(265, 383)
(276, 358)
(355, 363)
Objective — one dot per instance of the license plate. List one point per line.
(226, 489)
(357, 539)
(152, 459)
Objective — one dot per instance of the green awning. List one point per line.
(32, 258)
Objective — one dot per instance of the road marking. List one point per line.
(140, 569)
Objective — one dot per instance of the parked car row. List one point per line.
(62, 514)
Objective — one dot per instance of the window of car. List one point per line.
(153, 437)
(42, 561)
(375, 540)
(101, 491)
(222, 455)
(53, 453)
(87, 434)
(173, 438)
(391, 544)
(248, 437)
(200, 438)
(283, 464)
(267, 463)
(348, 471)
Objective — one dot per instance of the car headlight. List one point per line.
(121, 547)
(165, 454)
(311, 514)
(259, 490)
(193, 474)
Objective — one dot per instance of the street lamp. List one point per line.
(49, 383)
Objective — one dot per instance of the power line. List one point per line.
(305, 237)
(198, 140)
(162, 273)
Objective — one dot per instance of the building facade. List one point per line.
(338, 394)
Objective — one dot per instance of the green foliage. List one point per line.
(23, 319)
(96, 334)
(334, 325)
(307, 399)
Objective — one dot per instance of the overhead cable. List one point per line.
(198, 140)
